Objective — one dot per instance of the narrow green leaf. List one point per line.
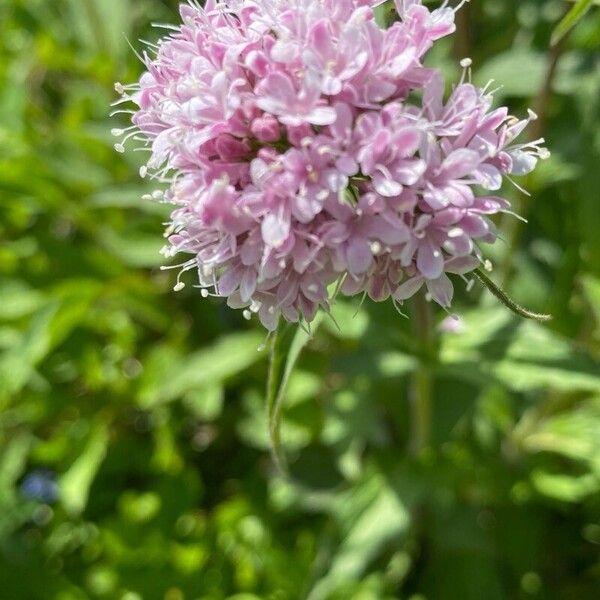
(13, 461)
(75, 484)
(570, 20)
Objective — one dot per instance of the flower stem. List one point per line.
(274, 398)
(507, 300)
(421, 386)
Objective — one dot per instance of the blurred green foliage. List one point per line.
(134, 459)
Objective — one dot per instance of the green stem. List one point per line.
(507, 300)
(421, 386)
(274, 399)
(462, 39)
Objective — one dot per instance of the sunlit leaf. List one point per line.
(566, 488)
(372, 516)
(76, 482)
(518, 72)
(228, 357)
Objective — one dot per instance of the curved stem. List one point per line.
(421, 386)
(507, 300)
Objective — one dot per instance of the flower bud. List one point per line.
(266, 129)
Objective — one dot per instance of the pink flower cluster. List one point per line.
(309, 152)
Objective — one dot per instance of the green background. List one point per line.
(134, 459)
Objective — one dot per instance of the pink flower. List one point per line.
(294, 104)
(298, 163)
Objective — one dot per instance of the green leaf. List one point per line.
(134, 250)
(570, 20)
(540, 359)
(574, 434)
(522, 355)
(210, 366)
(18, 300)
(565, 487)
(75, 484)
(206, 403)
(372, 516)
(520, 72)
(13, 461)
(49, 327)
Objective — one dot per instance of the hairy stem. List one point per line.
(507, 300)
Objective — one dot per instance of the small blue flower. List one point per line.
(40, 485)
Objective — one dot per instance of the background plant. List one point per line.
(134, 460)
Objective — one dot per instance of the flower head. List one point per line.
(298, 163)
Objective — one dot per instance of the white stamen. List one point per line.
(375, 248)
